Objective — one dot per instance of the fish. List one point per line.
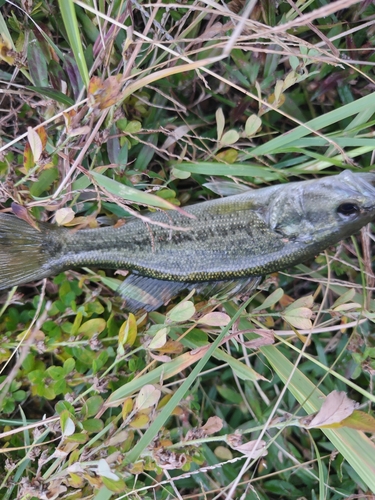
(225, 245)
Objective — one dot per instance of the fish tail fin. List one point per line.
(23, 255)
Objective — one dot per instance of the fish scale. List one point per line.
(225, 244)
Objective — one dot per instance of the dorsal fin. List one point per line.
(148, 294)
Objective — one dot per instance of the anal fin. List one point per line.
(141, 292)
(227, 289)
(148, 294)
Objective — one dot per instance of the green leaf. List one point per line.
(92, 406)
(56, 372)
(271, 300)
(182, 312)
(37, 63)
(230, 137)
(53, 94)
(114, 486)
(93, 425)
(64, 405)
(252, 125)
(77, 438)
(229, 394)
(67, 424)
(19, 395)
(235, 169)
(68, 365)
(131, 194)
(92, 327)
(71, 25)
(322, 121)
(220, 123)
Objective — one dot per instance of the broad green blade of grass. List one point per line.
(344, 142)
(316, 165)
(56, 95)
(71, 25)
(236, 169)
(132, 194)
(358, 106)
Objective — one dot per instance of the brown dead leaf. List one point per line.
(171, 347)
(336, 408)
(252, 449)
(213, 424)
(103, 94)
(266, 337)
(22, 213)
(162, 358)
(169, 459)
(215, 319)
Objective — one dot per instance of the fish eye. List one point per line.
(348, 209)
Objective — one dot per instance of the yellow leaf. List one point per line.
(6, 50)
(28, 158)
(160, 338)
(35, 143)
(128, 331)
(75, 481)
(299, 317)
(140, 421)
(230, 137)
(103, 94)
(361, 421)
(92, 327)
(127, 407)
(252, 125)
(220, 123)
(64, 216)
(164, 400)
(228, 155)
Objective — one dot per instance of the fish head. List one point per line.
(327, 209)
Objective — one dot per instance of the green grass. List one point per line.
(129, 110)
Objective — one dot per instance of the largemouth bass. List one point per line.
(227, 243)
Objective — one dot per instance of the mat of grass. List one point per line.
(108, 108)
